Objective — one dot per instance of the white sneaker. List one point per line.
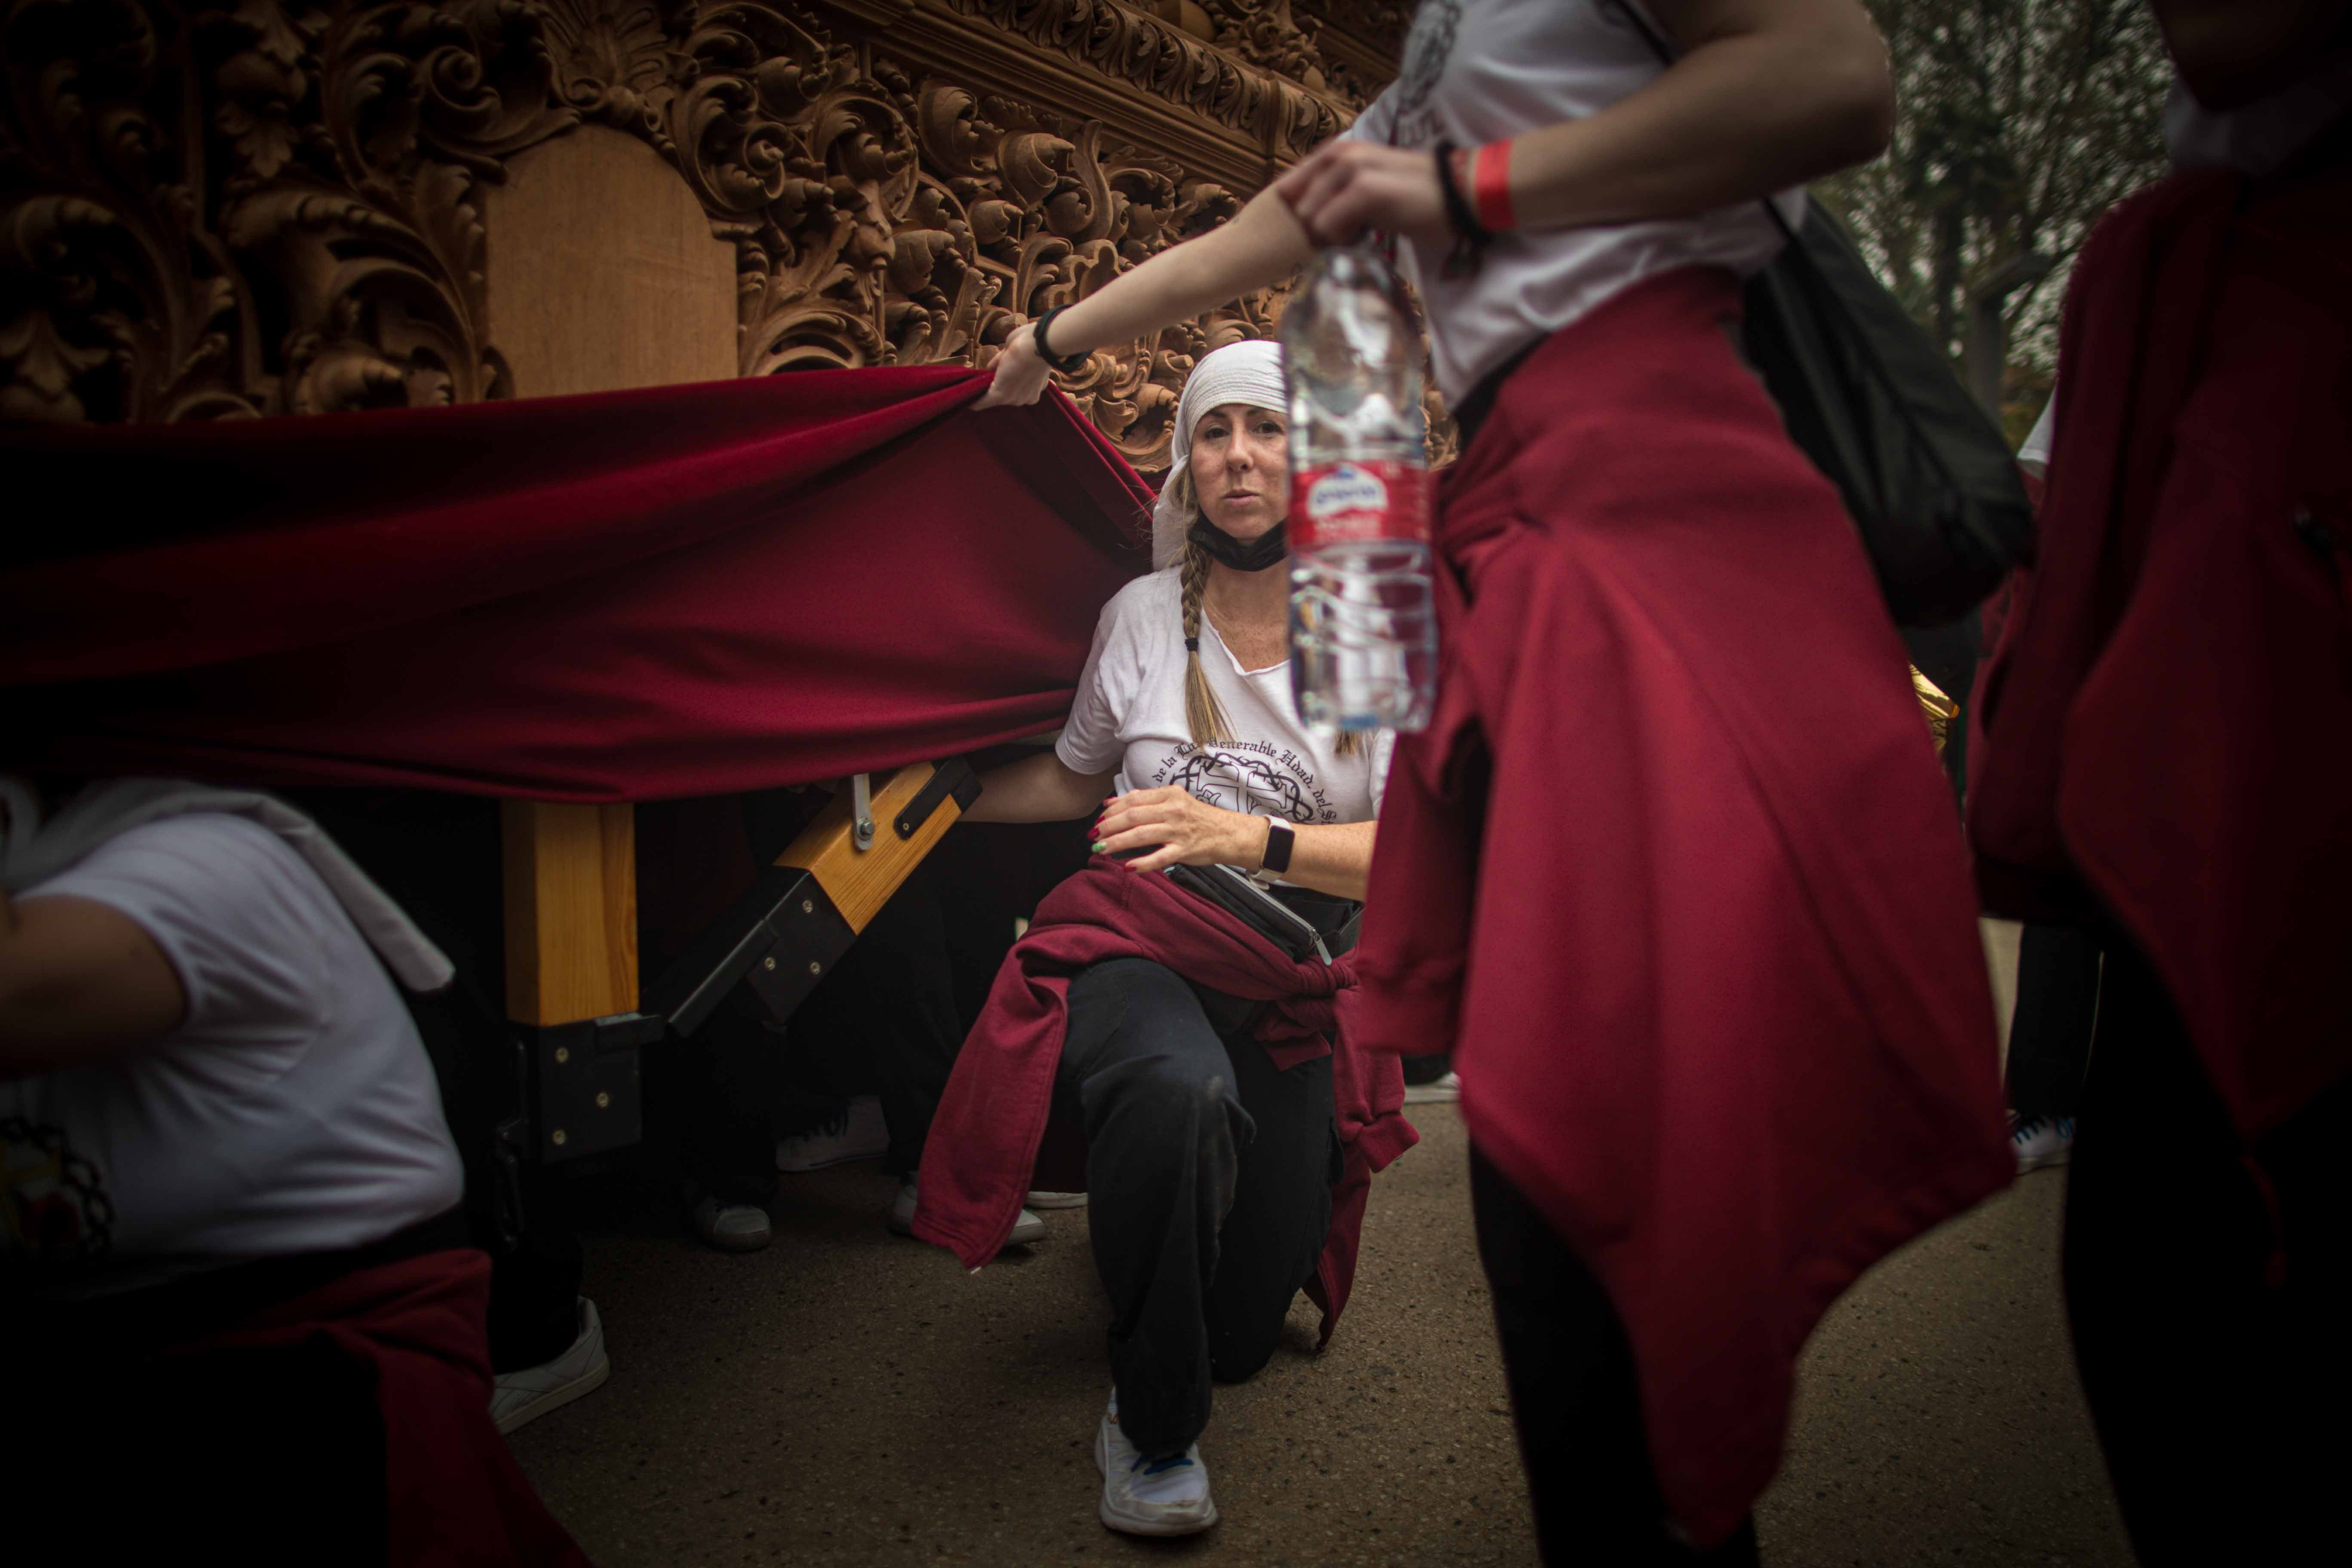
(1027, 1230)
(2044, 1140)
(1038, 1200)
(730, 1227)
(1142, 1496)
(1442, 1091)
(857, 1132)
(532, 1393)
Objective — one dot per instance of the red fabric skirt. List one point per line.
(1676, 877)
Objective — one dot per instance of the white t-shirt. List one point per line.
(1129, 715)
(1479, 70)
(293, 1110)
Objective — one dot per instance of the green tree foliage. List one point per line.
(2018, 123)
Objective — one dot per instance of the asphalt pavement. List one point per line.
(848, 1397)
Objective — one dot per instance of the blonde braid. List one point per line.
(1202, 715)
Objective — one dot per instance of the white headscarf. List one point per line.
(1250, 373)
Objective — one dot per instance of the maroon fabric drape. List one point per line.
(2165, 732)
(678, 591)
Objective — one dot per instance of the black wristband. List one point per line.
(1470, 236)
(1066, 363)
(1278, 840)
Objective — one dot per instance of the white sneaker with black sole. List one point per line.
(1144, 1496)
(2042, 1141)
(528, 1395)
(1027, 1230)
(858, 1130)
(729, 1227)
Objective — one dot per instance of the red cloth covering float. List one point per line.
(683, 590)
(1674, 873)
(2164, 733)
(992, 1120)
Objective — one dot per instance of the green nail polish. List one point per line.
(1102, 846)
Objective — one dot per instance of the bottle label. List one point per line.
(1357, 502)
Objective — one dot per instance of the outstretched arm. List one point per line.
(1766, 94)
(1042, 788)
(1263, 244)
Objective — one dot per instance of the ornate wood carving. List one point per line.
(259, 207)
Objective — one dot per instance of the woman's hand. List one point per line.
(1347, 186)
(1179, 830)
(1021, 373)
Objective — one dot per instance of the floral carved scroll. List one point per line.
(266, 208)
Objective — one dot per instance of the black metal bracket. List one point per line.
(780, 938)
(952, 777)
(581, 1081)
(582, 1084)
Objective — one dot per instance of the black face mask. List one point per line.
(1267, 550)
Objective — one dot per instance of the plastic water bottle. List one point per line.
(1363, 630)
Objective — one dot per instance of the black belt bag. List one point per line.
(1304, 925)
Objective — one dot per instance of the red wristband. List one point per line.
(1490, 181)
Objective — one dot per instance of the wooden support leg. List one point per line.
(571, 972)
(572, 911)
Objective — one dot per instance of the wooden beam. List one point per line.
(571, 911)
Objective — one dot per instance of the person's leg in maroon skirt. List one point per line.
(1573, 1396)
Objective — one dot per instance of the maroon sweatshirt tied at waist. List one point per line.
(984, 1139)
(1674, 873)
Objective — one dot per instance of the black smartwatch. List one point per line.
(1278, 840)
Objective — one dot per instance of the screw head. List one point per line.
(808, 906)
(767, 963)
(815, 968)
(602, 1099)
(556, 1137)
(563, 1055)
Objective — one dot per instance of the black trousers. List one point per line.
(2209, 1290)
(2057, 1005)
(1209, 1172)
(1573, 1396)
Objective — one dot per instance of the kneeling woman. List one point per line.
(1197, 1055)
